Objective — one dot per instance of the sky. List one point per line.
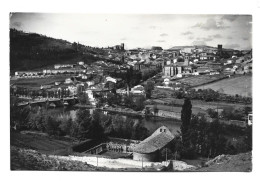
(140, 30)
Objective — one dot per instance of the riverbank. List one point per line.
(128, 112)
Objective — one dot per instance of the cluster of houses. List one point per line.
(173, 63)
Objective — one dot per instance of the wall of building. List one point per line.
(148, 157)
(169, 114)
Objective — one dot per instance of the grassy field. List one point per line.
(199, 80)
(41, 143)
(241, 85)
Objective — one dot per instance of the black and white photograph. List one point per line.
(130, 92)
(136, 98)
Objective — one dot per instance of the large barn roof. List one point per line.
(159, 139)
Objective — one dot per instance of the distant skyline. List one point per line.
(140, 30)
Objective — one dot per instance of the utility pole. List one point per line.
(97, 161)
(142, 163)
(166, 155)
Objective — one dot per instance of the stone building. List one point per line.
(149, 149)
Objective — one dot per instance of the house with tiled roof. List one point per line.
(149, 149)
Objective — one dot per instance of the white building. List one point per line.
(81, 63)
(68, 81)
(250, 119)
(91, 97)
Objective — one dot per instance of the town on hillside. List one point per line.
(114, 108)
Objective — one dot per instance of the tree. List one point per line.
(139, 131)
(155, 109)
(51, 125)
(65, 126)
(148, 89)
(248, 138)
(83, 98)
(88, 126)
(37, 119)
(128, 101)
(139, 103)
(18, 116)
(212, 113)
(186, 116)
(128, 78)
(111, 86)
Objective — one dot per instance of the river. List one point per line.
(173, 126)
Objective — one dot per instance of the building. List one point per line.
(187, 50)
(118, 47)
(68, 81)
(204, 70)
(138, 90)
(156, 48)
(27, 73)
(173, 69)
(149, 149)
(72, 89)
(64, 70)
(57, 66)
(81, 63)
(250, 119)
(91, 97)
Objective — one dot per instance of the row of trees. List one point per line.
(86, 125)
(210, 95)
(230, 113)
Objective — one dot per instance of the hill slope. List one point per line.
(229, 163)
(24, 159)
(30, 51)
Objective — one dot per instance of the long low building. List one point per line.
(149, 149)
(68, 70)
(27, 73)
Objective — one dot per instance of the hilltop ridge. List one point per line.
(31, 51)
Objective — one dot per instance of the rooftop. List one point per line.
(159, 139)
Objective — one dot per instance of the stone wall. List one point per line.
(147, 157)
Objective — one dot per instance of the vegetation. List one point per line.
(25, 159)
(211, 139)
(83, 98)
(86, 126)
(30, 50)
(186, 119)
(148, 89)
(210, 95)
(230, 113)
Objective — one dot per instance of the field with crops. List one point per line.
(200, 79)
(241, 85)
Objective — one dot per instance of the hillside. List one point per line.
(229, 163)
(25, 159)
(200, 46)
(197, 46)
(31, 51)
